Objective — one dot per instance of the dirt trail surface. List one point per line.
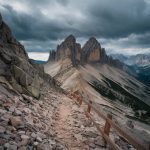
(73, 128)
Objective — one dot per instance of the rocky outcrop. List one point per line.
(22, 74)
(91, 51)
(69, 49)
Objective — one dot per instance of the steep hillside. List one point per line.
(17, 71)
(105, 83)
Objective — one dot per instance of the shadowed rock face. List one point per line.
(69, 49)
(91, 51)
(52, 55)
(15, 66)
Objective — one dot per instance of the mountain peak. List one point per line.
(91, 44)
(93, 39)
(91, 51)
(70, 39)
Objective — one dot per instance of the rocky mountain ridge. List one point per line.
(139, 60)
(91, 52)
(17, 70)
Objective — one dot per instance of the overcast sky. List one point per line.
(121, 26)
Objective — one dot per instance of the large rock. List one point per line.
(30, 84)
(69, 49)
(21, 73)
(91, 51)
(15, 121)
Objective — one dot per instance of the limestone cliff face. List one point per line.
(69, 49)
(91, 51)
(9, 42)
(15, 67)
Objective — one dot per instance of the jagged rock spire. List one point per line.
(69, 49)
(70, 39)
(91, 51)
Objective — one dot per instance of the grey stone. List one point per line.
(33, 135)
(12, 147)
(15, 121)
(12, 109)
(6, 145)
(38, 139)
(24, 137)
(2, 129)
(21, 132)
(17, 112)
(35, 143)
(1, 148)
(22, 148)
(99, 141)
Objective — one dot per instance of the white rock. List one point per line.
(24, 137)
(21, 132)
(35, 143)
(33, 135)
(18, 112)
(38, 139)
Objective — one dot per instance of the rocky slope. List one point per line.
(16, 70)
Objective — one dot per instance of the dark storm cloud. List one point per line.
(28, 27)
(120, 23)
(117, 18)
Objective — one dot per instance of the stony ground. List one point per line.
(73, 129)
(54, 122)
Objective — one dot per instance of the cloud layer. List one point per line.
(120, 26)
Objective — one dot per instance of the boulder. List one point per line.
(31, 86)
(15, 121)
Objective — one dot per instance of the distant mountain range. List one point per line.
(138, 60)
(137, 65)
